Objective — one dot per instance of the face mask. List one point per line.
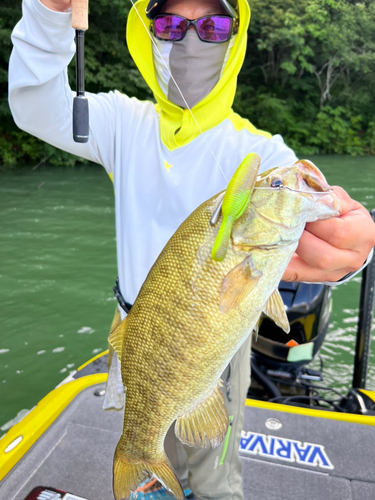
(196, 67)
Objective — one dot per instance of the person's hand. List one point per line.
(58, 5)
(330, 249)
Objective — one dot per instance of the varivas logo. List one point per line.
(287, 450)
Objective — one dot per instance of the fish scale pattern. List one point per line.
(183, 330)
(177, 341)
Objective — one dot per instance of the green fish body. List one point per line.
(194, 312)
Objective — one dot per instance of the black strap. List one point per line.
(120, 299)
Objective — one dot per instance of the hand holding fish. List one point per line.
(330, 249)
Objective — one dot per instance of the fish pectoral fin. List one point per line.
(275, 310)
(207, 423)
(116, 337)
(128, 474)
(238, 284)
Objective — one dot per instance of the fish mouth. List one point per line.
(312, 181)
(311, 177)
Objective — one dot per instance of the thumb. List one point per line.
(346, 202)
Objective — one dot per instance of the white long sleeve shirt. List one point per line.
(156, 187)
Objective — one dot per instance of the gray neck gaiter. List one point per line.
(195, 65)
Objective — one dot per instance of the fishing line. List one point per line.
(179, 90)
(281, 188)
(216, 214)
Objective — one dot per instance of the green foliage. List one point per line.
(308, 74)
(310, 65)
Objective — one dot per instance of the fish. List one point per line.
(202, 298)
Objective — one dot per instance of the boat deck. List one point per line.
(75, 453)
(287, 452)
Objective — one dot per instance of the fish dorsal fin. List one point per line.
(275, 310)
(237, 285)
(236, 199)
(116, 337)
(206, 424)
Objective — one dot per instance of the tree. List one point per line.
(308, 61)
(308, 74)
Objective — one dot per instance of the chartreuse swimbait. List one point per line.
(236, 198)
(193, 313)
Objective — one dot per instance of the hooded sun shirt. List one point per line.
(164, 160)
(178, 127)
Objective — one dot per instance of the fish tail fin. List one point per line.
(164, 472)
(128, 474)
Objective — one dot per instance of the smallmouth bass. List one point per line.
(201, 299)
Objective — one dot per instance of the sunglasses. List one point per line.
(211, 29)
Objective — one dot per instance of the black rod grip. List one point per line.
(80, 119)
(80, 103)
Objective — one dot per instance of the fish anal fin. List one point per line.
(207, 424)
(237, 285)
(128, 474)
(275, 310)
(116, 337)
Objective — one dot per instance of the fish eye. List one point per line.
(276, 183)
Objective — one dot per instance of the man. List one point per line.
(166, 159)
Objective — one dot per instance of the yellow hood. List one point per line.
(177, 126)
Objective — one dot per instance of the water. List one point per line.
(58, 266)
(57, 270)
(357, 177)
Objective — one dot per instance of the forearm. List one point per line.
(39, 94)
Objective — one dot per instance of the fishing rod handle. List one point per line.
(80, 119)
(80, 14)
(80, 23)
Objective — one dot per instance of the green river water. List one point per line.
(57, 270)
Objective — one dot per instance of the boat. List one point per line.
(296, 443)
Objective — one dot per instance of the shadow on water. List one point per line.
(58, 265)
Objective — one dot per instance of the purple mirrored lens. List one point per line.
(170, 27)
(210, 28)
(214, 28)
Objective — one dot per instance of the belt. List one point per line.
(120, 299)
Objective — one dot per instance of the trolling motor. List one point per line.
(80, 103)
